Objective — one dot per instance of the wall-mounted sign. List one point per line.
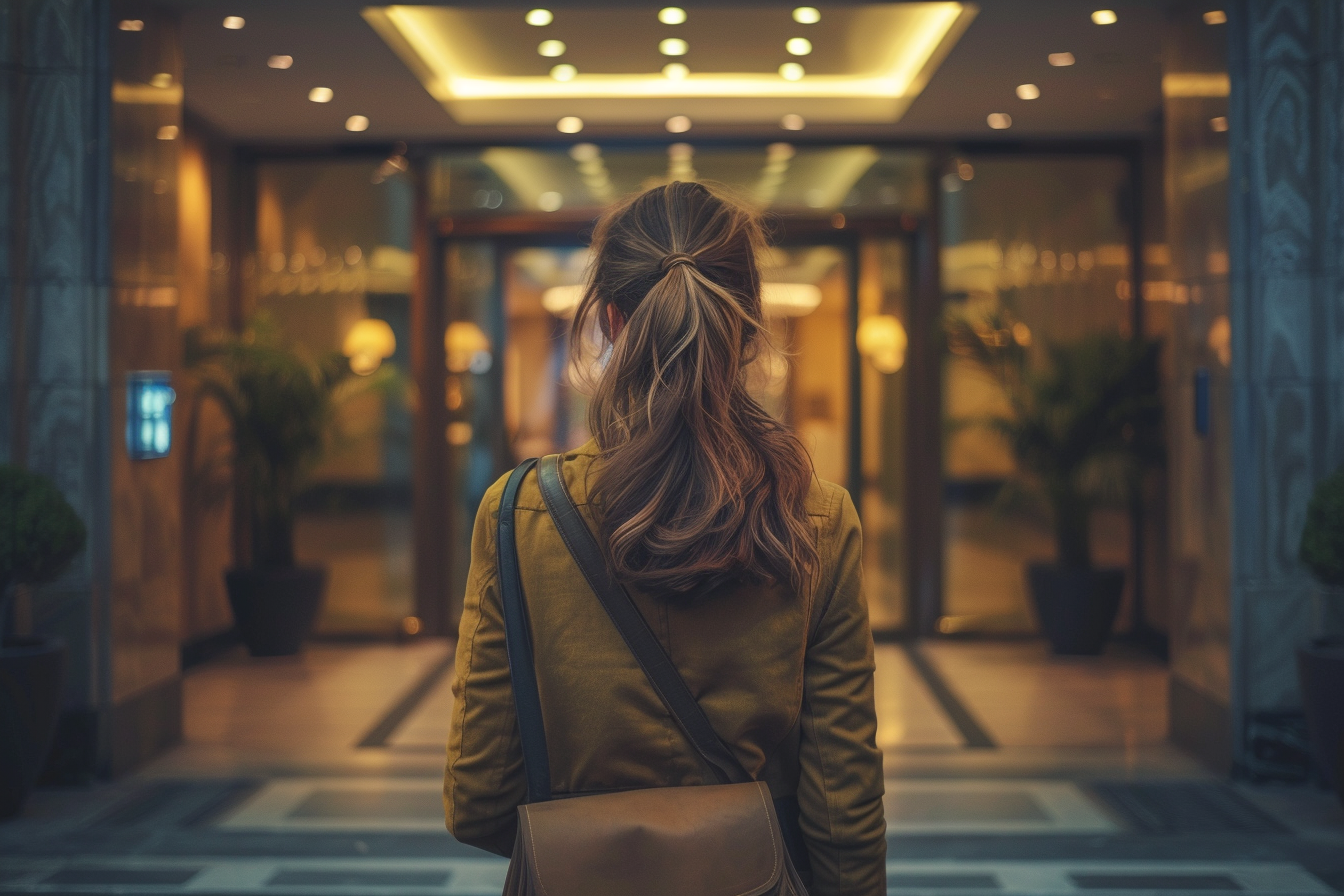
(149, 413)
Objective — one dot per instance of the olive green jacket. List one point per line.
(786, 679)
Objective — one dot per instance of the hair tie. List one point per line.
(676, 258)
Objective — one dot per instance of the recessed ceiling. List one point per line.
(864, 64)
(1114, 89)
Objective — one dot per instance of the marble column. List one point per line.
(80, 269)
(1286, 216)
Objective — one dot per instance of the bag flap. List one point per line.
(716, 840)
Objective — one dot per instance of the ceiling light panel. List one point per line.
(867, 62)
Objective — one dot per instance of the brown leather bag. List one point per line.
(716, 840)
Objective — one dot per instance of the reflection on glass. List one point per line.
(881, 340)
(1006, 231)
(333, 268)
(860, 180)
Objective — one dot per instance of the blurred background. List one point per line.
(1054, 291)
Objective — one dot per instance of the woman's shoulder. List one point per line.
(829, 504)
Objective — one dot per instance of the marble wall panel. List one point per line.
(57, 33)
(1287, 224)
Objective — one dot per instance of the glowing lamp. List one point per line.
(367, 344)
(466, 348)
(882, 340)
(149, 413)
(790, 299)
(562, 301)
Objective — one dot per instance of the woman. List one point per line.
(746, 566)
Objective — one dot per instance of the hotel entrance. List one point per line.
(496, 383)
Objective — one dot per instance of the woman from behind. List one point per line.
(744, 564)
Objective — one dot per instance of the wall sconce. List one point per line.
(789, 299)
(562, 301)
(466, 348)
(149, 414)
(366, 345)
(882, 340)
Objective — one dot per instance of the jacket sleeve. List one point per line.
(483, 782)
(840, 789)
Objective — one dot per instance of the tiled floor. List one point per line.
(1070, 788)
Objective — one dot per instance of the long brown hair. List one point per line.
(700, 485)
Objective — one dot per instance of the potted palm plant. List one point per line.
(1082, 427)
(1320, 662)
(40, 534)
(280, 406)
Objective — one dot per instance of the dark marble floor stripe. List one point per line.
(382, 731)
(973, 734)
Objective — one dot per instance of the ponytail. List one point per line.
(700, 485)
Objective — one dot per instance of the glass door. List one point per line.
(835, 372)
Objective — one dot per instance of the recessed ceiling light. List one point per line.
(538, 17)
(1104, 17)
(1218, 124)
(564, 72)
(551, 48)
(672, 15)
(676, 71)
(321, 94)
(135, 25)
(1028, 91)
(792, 122)
(1059, 60)
(1215, 17)
(791, 71)
(570, 124)
(1000, 121)
(234, 23)
(673, 46)
(807, 15)
(678, 124)
(798, 46)
(550, 201)
(357, 123)
(162, 80)
(167, 132)
(280, 62)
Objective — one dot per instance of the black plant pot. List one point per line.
(1320, 671)
(32, 679)
(275, 608)
(1076, 607)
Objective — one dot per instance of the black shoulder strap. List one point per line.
(641, 640)
(518, 639)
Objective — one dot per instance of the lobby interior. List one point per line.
(410, 190)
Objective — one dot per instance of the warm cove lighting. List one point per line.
(462, 57)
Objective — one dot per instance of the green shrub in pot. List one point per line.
(281, 408)
(1083, 422)
(1320, 662)
(40, 533)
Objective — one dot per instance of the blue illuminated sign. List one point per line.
(149, 413)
